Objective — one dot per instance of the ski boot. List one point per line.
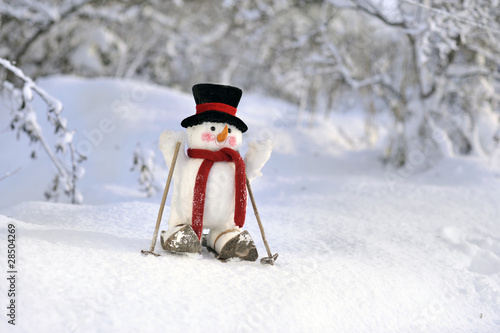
(239, 246)
(181, 239)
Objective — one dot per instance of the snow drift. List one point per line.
(362, 248)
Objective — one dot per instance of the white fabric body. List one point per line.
(219, 196)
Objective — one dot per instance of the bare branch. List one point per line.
(8, 174)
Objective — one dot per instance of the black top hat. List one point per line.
(215, 103)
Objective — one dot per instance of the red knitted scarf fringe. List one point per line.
(209, 158)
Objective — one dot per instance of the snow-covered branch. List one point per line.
(24, 120)
(53, 18)
(53, 104)
(376, 11)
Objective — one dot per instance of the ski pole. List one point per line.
(270, 259)
(162, 205)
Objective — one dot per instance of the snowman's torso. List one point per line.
(219, 195)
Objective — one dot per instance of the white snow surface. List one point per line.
(361, 248)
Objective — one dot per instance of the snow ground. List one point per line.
(362, 248)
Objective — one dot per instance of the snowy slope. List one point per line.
(362, 248)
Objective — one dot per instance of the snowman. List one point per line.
(210, 180)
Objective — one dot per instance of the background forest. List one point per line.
(424, 74)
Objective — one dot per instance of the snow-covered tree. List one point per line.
(143, 162)
(447, 102)
(432, 64)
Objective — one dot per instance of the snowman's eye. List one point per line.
(212, 128)
(229, 130)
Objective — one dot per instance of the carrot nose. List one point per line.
(222, 135)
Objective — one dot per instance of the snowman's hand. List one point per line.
(257, 156)
(168, 140)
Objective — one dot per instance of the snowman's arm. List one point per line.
(256, 157)
(168, 140)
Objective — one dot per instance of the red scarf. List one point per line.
(209, 158)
